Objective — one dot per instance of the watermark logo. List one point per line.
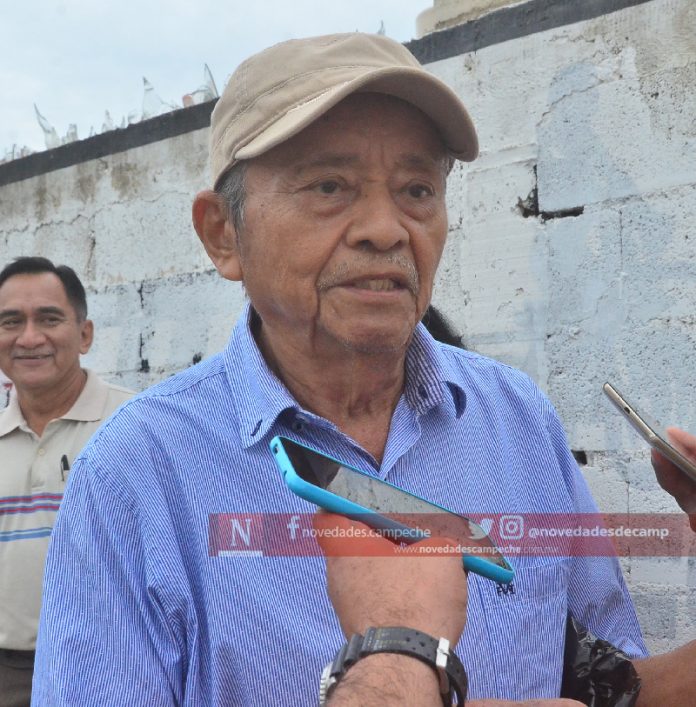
(484, 529)
(511, 527)
(235, 535)
(293, 526)
(541, 534)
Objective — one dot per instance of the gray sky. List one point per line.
(77, 58)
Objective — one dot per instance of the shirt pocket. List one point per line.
(517, 640)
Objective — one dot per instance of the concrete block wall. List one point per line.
(570, 255)
(124, 223)
(572, 248)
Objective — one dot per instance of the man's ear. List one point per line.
(86, 335)
(218, 235)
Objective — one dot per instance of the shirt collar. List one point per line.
(88, 407)
(430, 376)
(260, 396)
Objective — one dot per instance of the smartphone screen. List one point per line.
(650, 431)
(398, 505)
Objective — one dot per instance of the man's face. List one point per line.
(41, 338)
(344, 226)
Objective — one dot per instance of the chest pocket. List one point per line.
(514, 636)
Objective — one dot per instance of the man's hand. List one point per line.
(558, 702)
(674, 480)
(668, 680)
(373, 582)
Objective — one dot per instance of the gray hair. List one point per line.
(232, 188)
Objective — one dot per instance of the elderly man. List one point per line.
(329, 157)
(55, 408)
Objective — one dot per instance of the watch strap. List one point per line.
(403, 641)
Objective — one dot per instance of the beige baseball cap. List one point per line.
(278, 92)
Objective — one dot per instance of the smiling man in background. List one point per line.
(53, 410)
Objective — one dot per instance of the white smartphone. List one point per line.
(650, 431)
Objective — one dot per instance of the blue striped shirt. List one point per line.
(157, 591)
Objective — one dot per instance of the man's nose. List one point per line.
(377, 222)
(31, 336)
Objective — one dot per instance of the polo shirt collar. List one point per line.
(260, 396)
(88, 407)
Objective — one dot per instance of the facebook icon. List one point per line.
(293, 525)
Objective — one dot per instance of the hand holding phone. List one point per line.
(401, 516)
(673, 455)
(651, 432)
(672, 478)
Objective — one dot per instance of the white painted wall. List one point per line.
(604, 110)
(124, 223)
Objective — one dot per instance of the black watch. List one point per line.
(406, 641)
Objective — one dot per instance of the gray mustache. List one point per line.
(358, 268)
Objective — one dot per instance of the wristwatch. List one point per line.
(405, 641)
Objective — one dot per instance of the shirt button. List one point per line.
(299, 423)
(42, 451)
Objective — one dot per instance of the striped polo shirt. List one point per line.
(33, 474)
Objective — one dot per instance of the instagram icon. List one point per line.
(511, 527)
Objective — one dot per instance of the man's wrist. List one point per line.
(434, 653)
(386, 679)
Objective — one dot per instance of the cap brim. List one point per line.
(414, 86)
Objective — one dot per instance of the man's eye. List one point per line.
(328, 187)
(9, 323)
(50, 321)
(418, 191)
